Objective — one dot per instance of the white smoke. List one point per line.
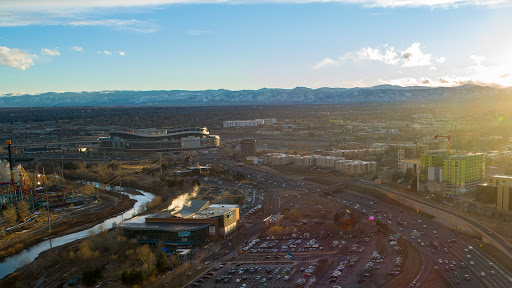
(183, 200)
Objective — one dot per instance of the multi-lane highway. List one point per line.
(485, 230)
(425, 227)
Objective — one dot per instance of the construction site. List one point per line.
(17, 185)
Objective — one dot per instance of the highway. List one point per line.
(504, 243)
(481, 261)
(456, 253)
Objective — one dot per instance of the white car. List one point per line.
(468, 256)
(471, 262)
(491, 264)
(492, 272)
(482, 274)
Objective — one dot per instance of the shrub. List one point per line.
(162, 265)
(133, 277)
(91, 277)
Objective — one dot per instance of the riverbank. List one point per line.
(27, 256)
(109, 203)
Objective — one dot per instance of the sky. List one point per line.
(96, 45)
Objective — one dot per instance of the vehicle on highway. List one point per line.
(466, 277)
(482, 274)
(492, 272)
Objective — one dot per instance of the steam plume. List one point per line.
(183, 200)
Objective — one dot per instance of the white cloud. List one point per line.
(134, 25)
(78, 12)
(16, 58)
(121, 53)
(324, 63)
(70, 18)
(410, 57)
(106, 52)
(345, 57)
(77, 48)
(407, 81)
(477, 59)
(440, 59)
(413, 56)
(388, 57)
(48, 52)
(88, 4)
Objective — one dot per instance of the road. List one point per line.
(501, 241)
(456, 253)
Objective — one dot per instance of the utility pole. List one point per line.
(8, 142)
(161, 172)
(62, 166)
(418, 178)
(48, 210)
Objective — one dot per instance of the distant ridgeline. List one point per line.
(299, 95)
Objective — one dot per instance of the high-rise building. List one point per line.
(247, 147)
(462, 172)
(429, 160)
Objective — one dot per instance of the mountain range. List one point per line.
(265, 96)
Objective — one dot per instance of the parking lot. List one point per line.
(263, 274)
(285, 244)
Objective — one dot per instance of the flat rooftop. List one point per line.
(163, 226)
(210, 212)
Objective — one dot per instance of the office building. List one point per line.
(195, 224)
(247, 147)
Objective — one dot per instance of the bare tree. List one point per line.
(23, 210)
(10, 216)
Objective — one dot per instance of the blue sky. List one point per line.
(52, 45)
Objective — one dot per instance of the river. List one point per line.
(29, 254)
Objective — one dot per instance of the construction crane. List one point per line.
(449, 137)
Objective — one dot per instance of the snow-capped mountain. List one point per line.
(299, 95)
